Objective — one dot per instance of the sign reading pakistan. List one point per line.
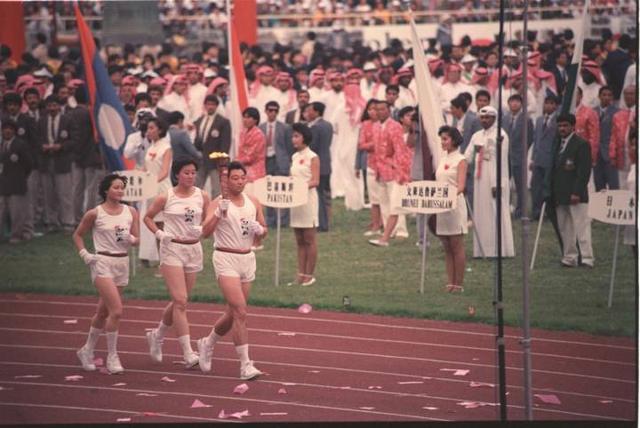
(426, 197)
(613, 207)
(278, 191)
(141, 185)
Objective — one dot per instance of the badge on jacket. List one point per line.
(569, 165)
(21, 131)
(215, 133)
(64, 134)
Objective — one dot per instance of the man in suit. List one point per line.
(544, 135)
(513, 125)
(559, 70)
(15, 166)
(35, 214)
(279, 152)
(181, 144)
(297, 115)
(616, 64)
(155, 95)
(213, 134)
(322, 134)
(568, 184)
(86, 170)
(54, 164)
(604, 173)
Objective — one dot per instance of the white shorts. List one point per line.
(241, 266)
(186, 256)
(116, 268)
(373, 187)
(387, 191)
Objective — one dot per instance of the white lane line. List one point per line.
(223, 397)
(351, 354)
(93, 409)
(328, 320)
(295, 404)
(350, 338)
(324, 368)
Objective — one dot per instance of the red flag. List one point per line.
(12, 28)
(237, 86)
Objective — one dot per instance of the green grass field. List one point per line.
(378, 280)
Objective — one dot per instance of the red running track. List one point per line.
(333, 367)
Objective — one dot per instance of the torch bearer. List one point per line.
(221, 160)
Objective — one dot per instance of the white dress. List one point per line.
(452, 222)
(304, 216)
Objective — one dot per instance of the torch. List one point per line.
(221, 159)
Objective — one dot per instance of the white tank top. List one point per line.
(182, 214)
(232, 231)
(111, 232)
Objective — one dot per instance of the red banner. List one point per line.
(12, 27)
(245, 18)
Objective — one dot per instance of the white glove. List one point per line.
(87, 257)
(163, 236)
(133, 240)
(223, 206)
(255, 227)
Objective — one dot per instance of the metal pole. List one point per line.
(525, 342)
(498, 289)
(424, 252)
(535, 244)
(277, 275)
(613, 267)
(475, 230)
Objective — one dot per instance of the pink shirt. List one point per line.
(588, 127)
(367, 140)
(393, 156)
(252, 153)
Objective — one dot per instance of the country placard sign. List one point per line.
(425, 197)
(141, 185)
(613, 207)
(278, 191)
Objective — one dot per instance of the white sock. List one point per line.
(161, 330)
(243, 354)
(112, 342)
(92, 338)
(213, 338)
(185, 344)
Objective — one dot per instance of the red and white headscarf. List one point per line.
(256, 85)
(594, 68)
(355, 103)
(315, 75)
(451, 67)
(215, 83)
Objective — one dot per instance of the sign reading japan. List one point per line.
(426, 197)
(613, 207)
(141, 185)
(278, 191)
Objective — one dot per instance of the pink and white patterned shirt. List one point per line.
(252, 153)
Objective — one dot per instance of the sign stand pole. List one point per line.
(613, 267)
(475, 230)
(277, 274)
(535, 245)
(424, 253)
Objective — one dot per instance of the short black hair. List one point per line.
(105, 184)
(174, 117)
(52, 99)
(11, 98)
(211, 98)
(271, 104)
(303, 129)
(177, 165)
(456, 137)
(552, 98)
(30, 91)
(459, 102)
(604, 88)
(567, 117)
(466, 96)
(318, 107)
(483, 93)
(253, 113)
(235, 165)
(10, 123)
(142, 96)
(517, 97)
(392, 88)
(161, 124)
(404, 110)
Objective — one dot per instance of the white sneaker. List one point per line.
(249, 372)
(86, 358)
(191, 360)
(204, 355)
(155, 346)
(378, 243)
(113, 364)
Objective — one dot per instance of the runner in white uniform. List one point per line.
(182, 207)
(114, 227)
(235, 222)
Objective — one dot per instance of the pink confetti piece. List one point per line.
(305, 308)
(476, 359)
(286, 333)
(241, 389)
(167, 379)
(197, 404)
(366, 408)
(461, 372)
(119, 384)
(282, 391)
(73, 378)
(98, 361)
(470, 404)
(412, 382)
(430, 408)
(236, 415)
(375, 387)
(70, 321)
(548, 398)
(481, 384)
(273, 414)
(146, 394)
(606, 401)
(28, 376)
(123, 420)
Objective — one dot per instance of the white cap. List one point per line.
(135, 71)
(468, 58)
(150, 73)
(488, 111)
(510, 52)
(209, 73)
(43, 72)
(369, 66)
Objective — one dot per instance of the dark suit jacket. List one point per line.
(571, 171)
(291, 117)
(217, 140)
(515, 136)
(560, 80)
(61, 159)
(163, 115)
(181, 145)
(282, 144)
(543, 141)
(86, 153)
(606, 125)
(615, 68)
(322, 134)
(471, 126)
(13, 178)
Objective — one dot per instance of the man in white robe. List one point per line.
(481, 156)
(335, 102)
(451, 87)
(286, 94)
(370, 86)
(262, 91)
(316, 85)
(175, 97)
(196, 92)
